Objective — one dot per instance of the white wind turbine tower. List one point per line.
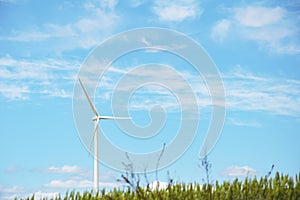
(96, 120)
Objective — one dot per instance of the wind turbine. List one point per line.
(96, 120)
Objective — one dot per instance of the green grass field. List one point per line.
(279, 187)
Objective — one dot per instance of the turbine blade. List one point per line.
(94, 133)
(112, 118)
(88, 98)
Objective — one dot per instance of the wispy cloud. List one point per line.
(248, 92)
(57, 93)
(69, 184)
(239, 171)
(43, 195)
(12, 169)
(136, 3)
(258, 16)
(244, 90)
(239, 122)
(273, 28)
(78, 177)
(46, 31)
(158, 185)
(176, 11)
(22, 78)
(14, 92)
(70, 171)
(84, 33)
(10, 192)
(109, 4)
(20, 69)
(71, 177)
(76, 184)
(81, 178)
(166, 88)
(220, 30)
(13, 192)
(64, 169)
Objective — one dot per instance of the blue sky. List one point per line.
(254, 44)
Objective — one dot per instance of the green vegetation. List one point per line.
(280, 187)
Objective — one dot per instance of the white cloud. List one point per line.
(104, 17)
(79, 178)
(19, 69)
(110, 4)
(64, 169)
(268, 35)
(244, 92)
(13, 192)
(176, 11)
(239, 171)
(70, 184)
(136, 3)
(110, 185)
(273, 28)
(57, 93)
(220, 30)
(20, 78)
(84, 33)
(87, 25)
(239, 122)
(280, 48)
(12, 169)
(254, 93)
(10, 192)
(172, 85)
(14, 92)
(42, 195)
(238, 74)
(47, 31)
(76, 184)
(11, 189)
(158, 185)
(258, 16)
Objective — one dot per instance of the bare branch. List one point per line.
(159, 158)
(270, 172)
(206, 165)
